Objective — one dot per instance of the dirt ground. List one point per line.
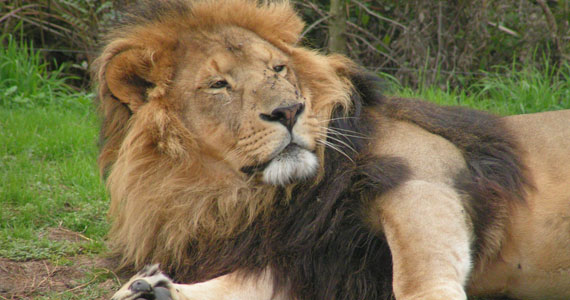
(30, 279)
(26, 280)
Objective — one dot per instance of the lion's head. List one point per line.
(207, 107)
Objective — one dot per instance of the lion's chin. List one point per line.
(293, 163)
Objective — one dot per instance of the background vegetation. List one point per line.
(505, 56)
(416, 41)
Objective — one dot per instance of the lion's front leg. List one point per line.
(152, 284)
(429, 236)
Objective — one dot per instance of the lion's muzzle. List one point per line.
(286, 115)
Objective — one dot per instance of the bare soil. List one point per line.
(25, 280)
(31, 279)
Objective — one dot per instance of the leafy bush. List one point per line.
(421, 42)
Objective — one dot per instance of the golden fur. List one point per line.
(175, 147)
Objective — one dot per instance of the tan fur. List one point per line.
(167, 136)
(429, 243)
(534, 262)
(419, 272)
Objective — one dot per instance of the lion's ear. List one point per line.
(127, 77)
(134, 75)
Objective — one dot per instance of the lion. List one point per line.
(251, 167)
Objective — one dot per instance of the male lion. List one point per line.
(264, 170)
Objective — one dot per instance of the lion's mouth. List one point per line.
(285, 152)
(292, 163)
(288, 150)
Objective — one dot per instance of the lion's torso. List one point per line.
(534, 261)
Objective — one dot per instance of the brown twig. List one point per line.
(81, 285)
(29, 20)
(504, 29)
(314, 7)
(93, 280)
(371, 47)
(439, 36)
(376, 40)
(12, 13)
(71, 232)
(313, 25)
(552, 26)
(34, 287)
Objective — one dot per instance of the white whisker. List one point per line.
(339, 118)
(342, 129)
(339, 141)
(336, 131)
(327, 144)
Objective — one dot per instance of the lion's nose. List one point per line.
(286, 115)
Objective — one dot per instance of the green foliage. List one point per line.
(48, 174)
(528, 90)
(25, 80)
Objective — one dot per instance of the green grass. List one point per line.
(49, 179)
(48, 173)
(506, 92)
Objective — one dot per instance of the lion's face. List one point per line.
(235, 93)
(242, 99)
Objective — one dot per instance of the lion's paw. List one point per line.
(149, 284)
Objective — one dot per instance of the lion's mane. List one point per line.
(163, 203)
(165, 209)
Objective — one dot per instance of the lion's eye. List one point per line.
(220, 84)
(279, 68)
